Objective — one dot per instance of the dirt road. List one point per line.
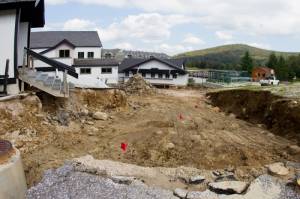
(173, 128)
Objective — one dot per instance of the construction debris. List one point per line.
(138, 85)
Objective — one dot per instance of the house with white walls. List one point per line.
(159, 72)
(80, 49)
(17, 73)
(17, 17)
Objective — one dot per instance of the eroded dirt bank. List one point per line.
(280, 115)
(171, 128)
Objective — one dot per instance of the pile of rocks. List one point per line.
(138, 85)
(89, 178)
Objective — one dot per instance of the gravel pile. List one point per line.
(65, 182)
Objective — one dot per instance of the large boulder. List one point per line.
(294, 149)
(100, 116)
(228, 187)
(278, 169)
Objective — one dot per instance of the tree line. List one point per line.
(286, 69)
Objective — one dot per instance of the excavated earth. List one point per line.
(168, 128)
(281, 115)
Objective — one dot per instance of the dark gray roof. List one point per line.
(95, 62)
(49, 39)
(129, 63)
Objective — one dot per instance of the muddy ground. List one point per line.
(171, 128)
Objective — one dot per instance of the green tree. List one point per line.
(247, 62)
(273, 61)
(282, 69)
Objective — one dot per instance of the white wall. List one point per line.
(7, 37)
(22, 41)
(7, 33)
(94, 80)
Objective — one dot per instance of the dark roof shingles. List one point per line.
(95, 62)
(49, 39)
(128, 63)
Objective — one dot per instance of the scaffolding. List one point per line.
(228, 76)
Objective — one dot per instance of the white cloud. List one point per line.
(224, 35)
(148, 27)
(260, 45)
(257, 17)
(79, 24)
(172, 49)
(125, 46)
(192, 40)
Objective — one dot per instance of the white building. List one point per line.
(79, 49)
(156, 71)
(17, 17)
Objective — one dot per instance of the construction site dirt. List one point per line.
(166, 128)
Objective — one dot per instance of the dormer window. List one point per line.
(64, 53)
(90, 55)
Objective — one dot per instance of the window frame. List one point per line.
(64, 53)
(153, 75)
(83, 71)
(106, 68)
(175, 76)
(91, 57)
(82, 53)
(160, 76)
(167, 76)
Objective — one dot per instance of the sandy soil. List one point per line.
(201, 135)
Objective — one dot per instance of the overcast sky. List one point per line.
(174, 26)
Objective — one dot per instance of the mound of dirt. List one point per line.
(138, 85)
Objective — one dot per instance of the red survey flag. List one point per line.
(180, 117)
(124, 147)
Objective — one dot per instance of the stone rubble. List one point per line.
(138, 85)
(278, 169)
(228, 187)
(197, 179)
(181, 193)
(102, 179)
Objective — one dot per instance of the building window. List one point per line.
(129, 56)
(143, 74)
(152, 75)
(167, 76)
(126, 74)
(85, 71)
(160, 76)
(106, 70)
(108, 56)
(64, 53)
(174, 76)
(80, 55)
(90, 55)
